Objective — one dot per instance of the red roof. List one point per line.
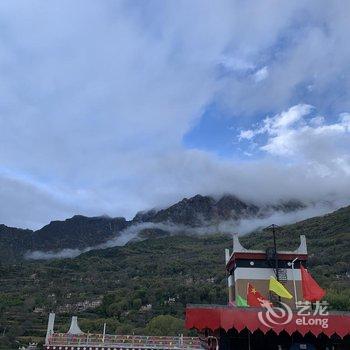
(214, 317)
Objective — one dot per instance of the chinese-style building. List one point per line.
(285, 323)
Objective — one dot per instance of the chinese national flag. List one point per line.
(254, 298)
(311, 290)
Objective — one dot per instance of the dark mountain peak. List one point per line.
(5, 229)
(282, 206)
(189, 211)
(198, 202)
(144, 216)
(197, 199)
(14, 242)
(231, 207)
(76, 219)
(199, 210)
(78, 232)
(291, 205)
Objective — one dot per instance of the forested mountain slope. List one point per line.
(166, 273)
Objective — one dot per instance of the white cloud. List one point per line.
(286, 119)
(278, 124)
(324, 147)
(236, 64)
(261, 74)
(96, 97)
(247, 134)
(317, 121)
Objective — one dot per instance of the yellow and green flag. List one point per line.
(279, 288)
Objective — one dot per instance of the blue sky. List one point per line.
(214, 132)
(111, 107)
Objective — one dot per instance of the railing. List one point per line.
(124, 341)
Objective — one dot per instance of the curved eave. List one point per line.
(213, 318)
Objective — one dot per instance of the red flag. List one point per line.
(254, 298)
(311, 290)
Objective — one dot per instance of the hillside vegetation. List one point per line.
(157, 276)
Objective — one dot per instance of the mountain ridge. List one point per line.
(81, 232)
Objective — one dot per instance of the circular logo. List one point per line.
(275, 316)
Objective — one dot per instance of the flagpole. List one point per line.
(294, 284)
(273, 227)
(276, 254)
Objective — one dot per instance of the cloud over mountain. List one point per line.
(97, 97)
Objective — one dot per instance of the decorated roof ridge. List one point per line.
(238, 248)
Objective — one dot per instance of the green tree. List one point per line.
(136, 303)
(165, 325)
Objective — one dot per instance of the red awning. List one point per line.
(213, 317)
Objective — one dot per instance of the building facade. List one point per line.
(257, 266)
